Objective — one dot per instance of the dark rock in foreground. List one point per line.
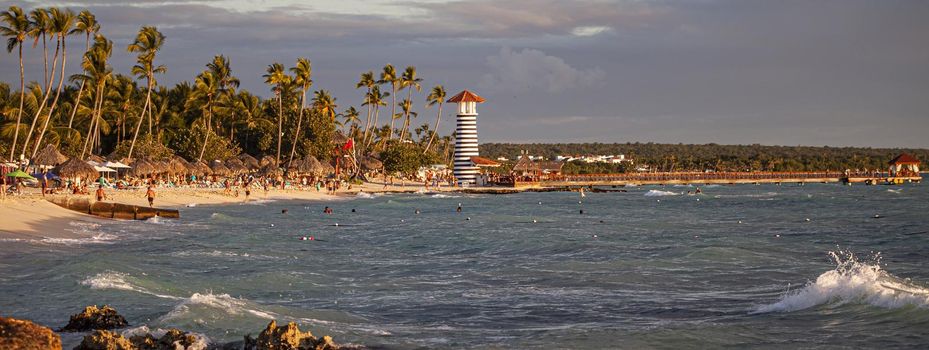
(105, 340)
(25, 335)
(94, 318)
(288, 337)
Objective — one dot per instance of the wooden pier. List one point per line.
(699, 178)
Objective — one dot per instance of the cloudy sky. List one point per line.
(824, 72)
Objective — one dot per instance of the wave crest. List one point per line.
(659, 193)
(853, 281)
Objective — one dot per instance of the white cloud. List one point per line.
(532, 70)
(590, 30)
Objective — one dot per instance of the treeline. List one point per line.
(714, 157)
(99, 111)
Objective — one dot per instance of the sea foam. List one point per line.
(853, 281)
(119, 281)
(221, 302)
(659, 193)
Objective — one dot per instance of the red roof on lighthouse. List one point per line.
(466, 96)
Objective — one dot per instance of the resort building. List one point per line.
(465, 172)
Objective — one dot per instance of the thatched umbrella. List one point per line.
(369, 163)
(161, 167)
(250, 162)
(178, 165)
(76, 168)
(338, 138)
(49, 156)
(141, 168)
(95, 158)
(271, 171)
(266, 160)
(220, 169)
(202, 169)
(236, 166)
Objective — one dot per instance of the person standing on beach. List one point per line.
(151, 196)
(100, 194)
(44, 183)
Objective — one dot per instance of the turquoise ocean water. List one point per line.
(735, 267)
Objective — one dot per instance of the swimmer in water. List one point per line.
(459, 208)
(353, 210)
(417, 211)
(327, 210)
(283, 211)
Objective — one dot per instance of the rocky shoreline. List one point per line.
(101, 323)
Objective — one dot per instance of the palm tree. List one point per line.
(203, 95)
(15, 29)
(227, 83)
(406, 111)
(303, 73)
(350, 117)
(366, 81)
(61, 24)
(277, 78)
(87, 24)
(410, 81)
(436, 97)
(97, 70)
(389, 76)
(324, 104)
(147, 43)
(376, 99)
(40, 27)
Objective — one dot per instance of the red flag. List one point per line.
(348, 144)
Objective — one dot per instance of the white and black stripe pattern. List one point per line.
(465, 148)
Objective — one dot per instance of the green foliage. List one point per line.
(579, 167)
(146, 147)
(188, 146)
(405, 158)
(319, 141)
(681, 157)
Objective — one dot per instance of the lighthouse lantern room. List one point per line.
(466, 137)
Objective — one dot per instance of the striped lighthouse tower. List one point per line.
(466, 137)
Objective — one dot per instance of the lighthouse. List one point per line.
(466, 137)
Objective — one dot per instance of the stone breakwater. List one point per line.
(112, 210)
(99, 321)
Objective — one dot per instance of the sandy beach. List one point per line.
(31, 216)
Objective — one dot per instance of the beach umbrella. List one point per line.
(250, 162)
(142, 168)
(370, 163)
(95, 158)
(236, 166)
(266, 160)
(49, 156)
(271, 171)
(338, 139)
(76, 168)
(116, 165)
(178, 165)
(220, 169)
(203, 169)
(20, 175)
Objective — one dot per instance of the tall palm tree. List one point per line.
(406, 111)
(62, 21)
(389, 76)
(366, 81)
(147, 43)
(436, 97)
(375, 100)
(277, 78)
(15, 28)
(324, 104)
(86, 24)
(410, 81)
(350, 117)
(227, 84)
(303, 73)
(97, 70)
(203, 95)
(41, 27)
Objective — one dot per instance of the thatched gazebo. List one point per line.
(49, 156)
(220, 169)
(76, 169)
(250, 162)
(202, 169)
(161, 167)
(270, 171)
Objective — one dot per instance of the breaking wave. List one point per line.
(217, 305)
(119, 281)
(853, 282)
(659, 193)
